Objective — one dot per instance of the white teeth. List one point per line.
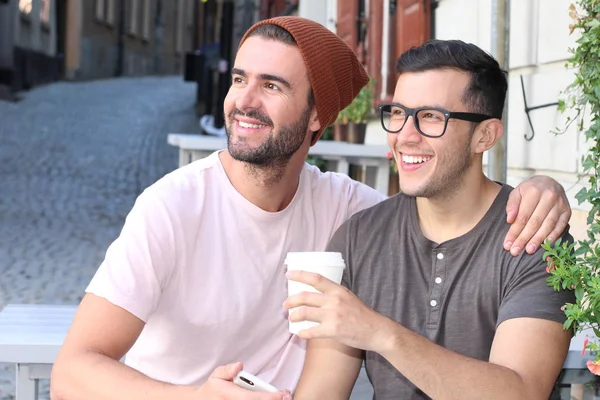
(250, 126)
(415, 160)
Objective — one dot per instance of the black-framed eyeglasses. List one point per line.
(429, 121)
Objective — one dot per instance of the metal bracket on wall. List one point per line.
(529, 109)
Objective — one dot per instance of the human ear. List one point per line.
(487, 134)
(314, 123)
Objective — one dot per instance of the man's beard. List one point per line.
(276, 150)
(450, 178)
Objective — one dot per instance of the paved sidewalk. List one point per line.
(362, 389)
(73, 158)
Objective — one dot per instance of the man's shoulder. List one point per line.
(380, 214)
(340, 188)
(398, 203)
(191, 177)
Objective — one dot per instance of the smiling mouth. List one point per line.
(415, 159)
(251, 126)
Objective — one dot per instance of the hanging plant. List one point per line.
(577, 265)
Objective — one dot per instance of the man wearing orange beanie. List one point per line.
(195, 281)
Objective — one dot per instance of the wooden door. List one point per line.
(375, 44)
(412, 24)
(347, 22)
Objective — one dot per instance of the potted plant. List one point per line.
(357, 114)
(340, 127)
(577, 265)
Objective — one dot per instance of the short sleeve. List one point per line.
(137, 265)
(339, 243)
(364, 197)
(527, 293)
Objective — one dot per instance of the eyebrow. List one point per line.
(264, 77)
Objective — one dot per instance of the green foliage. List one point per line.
(577, 266)
(342, 117)
(317, 161)
(358, 111)
(327, 134)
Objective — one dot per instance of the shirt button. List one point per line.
(433, 303)
(438, 280)
(440, 256)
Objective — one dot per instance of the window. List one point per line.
(100, 10)
(147, 19)
(180, 26)
(105, 11)
(110, 12)
(26, 7)
(45, 11)
(133, 16)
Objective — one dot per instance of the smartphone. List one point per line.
(248, 381)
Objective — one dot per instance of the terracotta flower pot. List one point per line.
(356, 133)
(340, 132)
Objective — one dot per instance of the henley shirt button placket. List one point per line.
(438, 280)
(436, 292)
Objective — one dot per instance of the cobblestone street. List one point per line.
(73, 158)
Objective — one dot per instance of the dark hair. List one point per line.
(275, 32)
(487, 91)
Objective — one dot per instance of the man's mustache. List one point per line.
(252, 114)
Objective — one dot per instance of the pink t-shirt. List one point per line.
(203, 267)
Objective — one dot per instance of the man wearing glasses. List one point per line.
(427, 299)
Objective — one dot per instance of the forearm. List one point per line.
(91, 375)
(330, 371)
(320, 388)
(445, 375)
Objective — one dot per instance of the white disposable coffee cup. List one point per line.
(328, 264)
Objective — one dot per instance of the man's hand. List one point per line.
(342, 315)
(537, 209)
(220, 386)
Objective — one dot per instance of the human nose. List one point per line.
(409, 132)
(248, 99)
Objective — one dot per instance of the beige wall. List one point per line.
(92, 42)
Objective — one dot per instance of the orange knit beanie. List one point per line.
(336, 76)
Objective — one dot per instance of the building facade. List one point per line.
(378, 30)
(133, 37)
(28, 43)
(93, 39)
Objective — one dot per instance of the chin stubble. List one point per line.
(268, 161)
